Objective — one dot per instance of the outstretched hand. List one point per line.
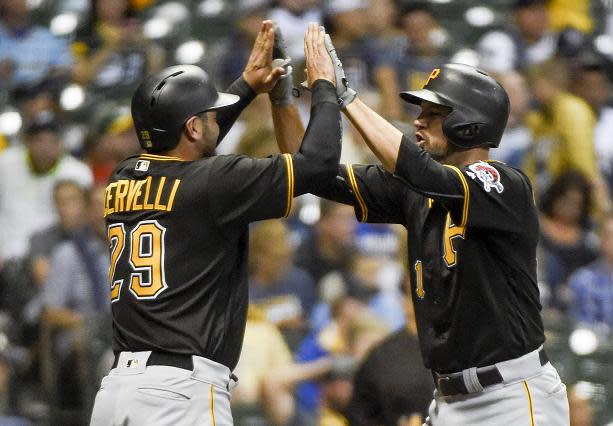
(259, 72)
(318, 61)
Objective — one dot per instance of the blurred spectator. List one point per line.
(566, 241)
(591, 287)
(571, 13)
(580, 407)
(330, 245)
(228, 59)
(111, 139)
(284, 292)
(517, 138)
(69, 200)
(32, 99)
(293, 16)
(562, 133)
(264, 397)
(347, 23)
(353, 331)
(28, 173)
(112, 55)
(590, 81)
(529, 41)
(407, 63)
(392, 385)
(28, 53)
(75, 299)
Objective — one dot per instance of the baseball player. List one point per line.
(177, 220)
(472, 236)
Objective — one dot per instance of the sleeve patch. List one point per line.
(487, 174)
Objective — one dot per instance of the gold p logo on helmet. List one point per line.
(435, 72)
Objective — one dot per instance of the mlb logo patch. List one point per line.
(132, 363)
(142, 165)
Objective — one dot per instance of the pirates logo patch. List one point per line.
(487, 174)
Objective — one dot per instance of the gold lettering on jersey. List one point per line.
(120, 194)
(452, 231)
(146, 205)
(127, 195)
(108, 197)
(139, 191)
(158, 195)
(173, 193)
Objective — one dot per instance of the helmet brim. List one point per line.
(224, 100)
(417, 96)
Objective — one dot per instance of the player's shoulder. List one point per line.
(495, 176)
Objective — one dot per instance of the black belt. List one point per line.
(165, 358)
(453, 384)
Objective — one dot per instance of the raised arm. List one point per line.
(289, 129)
(258, 77)
(316, 163)
(382, 137)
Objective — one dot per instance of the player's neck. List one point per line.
(465, 157)
(184, 151)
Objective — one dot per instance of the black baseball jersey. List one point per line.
(472, 236)
(178, 233)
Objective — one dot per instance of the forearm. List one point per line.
(61, 318)
(289, 129)
(382, 138)
(316, 164)
(85, 70)
(227, 116)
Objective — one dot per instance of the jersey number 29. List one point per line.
(146, 259)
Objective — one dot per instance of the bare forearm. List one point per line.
(289, 129)
(382, 137)
(62, 318)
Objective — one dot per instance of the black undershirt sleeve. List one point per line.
(227, 116)
(316, 164)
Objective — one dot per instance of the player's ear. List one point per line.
(193, 128)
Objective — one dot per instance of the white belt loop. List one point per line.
(471, 381)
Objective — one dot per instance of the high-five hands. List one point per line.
(345, 94)
(318, 61)
(259, 72)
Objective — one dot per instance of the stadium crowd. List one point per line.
(330, 338)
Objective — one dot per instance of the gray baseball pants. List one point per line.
(136, 394)
(530, 395)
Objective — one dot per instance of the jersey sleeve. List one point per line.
(497, 196)
(376, 195)
(242, 189)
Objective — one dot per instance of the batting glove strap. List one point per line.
(281, 94)
(344, 93)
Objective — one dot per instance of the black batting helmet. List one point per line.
(479, 105)
(164, 102)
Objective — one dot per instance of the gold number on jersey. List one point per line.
(451, 232)
(419, 281)
(116, 235)
(146, 259)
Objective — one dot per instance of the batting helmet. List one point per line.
(164, 102)
(479, 105)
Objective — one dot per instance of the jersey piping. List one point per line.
(529, 403)
(289, 164)
(159, 157)
(466, 195)
(356, 192)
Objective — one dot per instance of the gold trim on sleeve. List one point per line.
(289, 164)
(466, 195)
(356, 192)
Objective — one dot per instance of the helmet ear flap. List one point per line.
(462, 132)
